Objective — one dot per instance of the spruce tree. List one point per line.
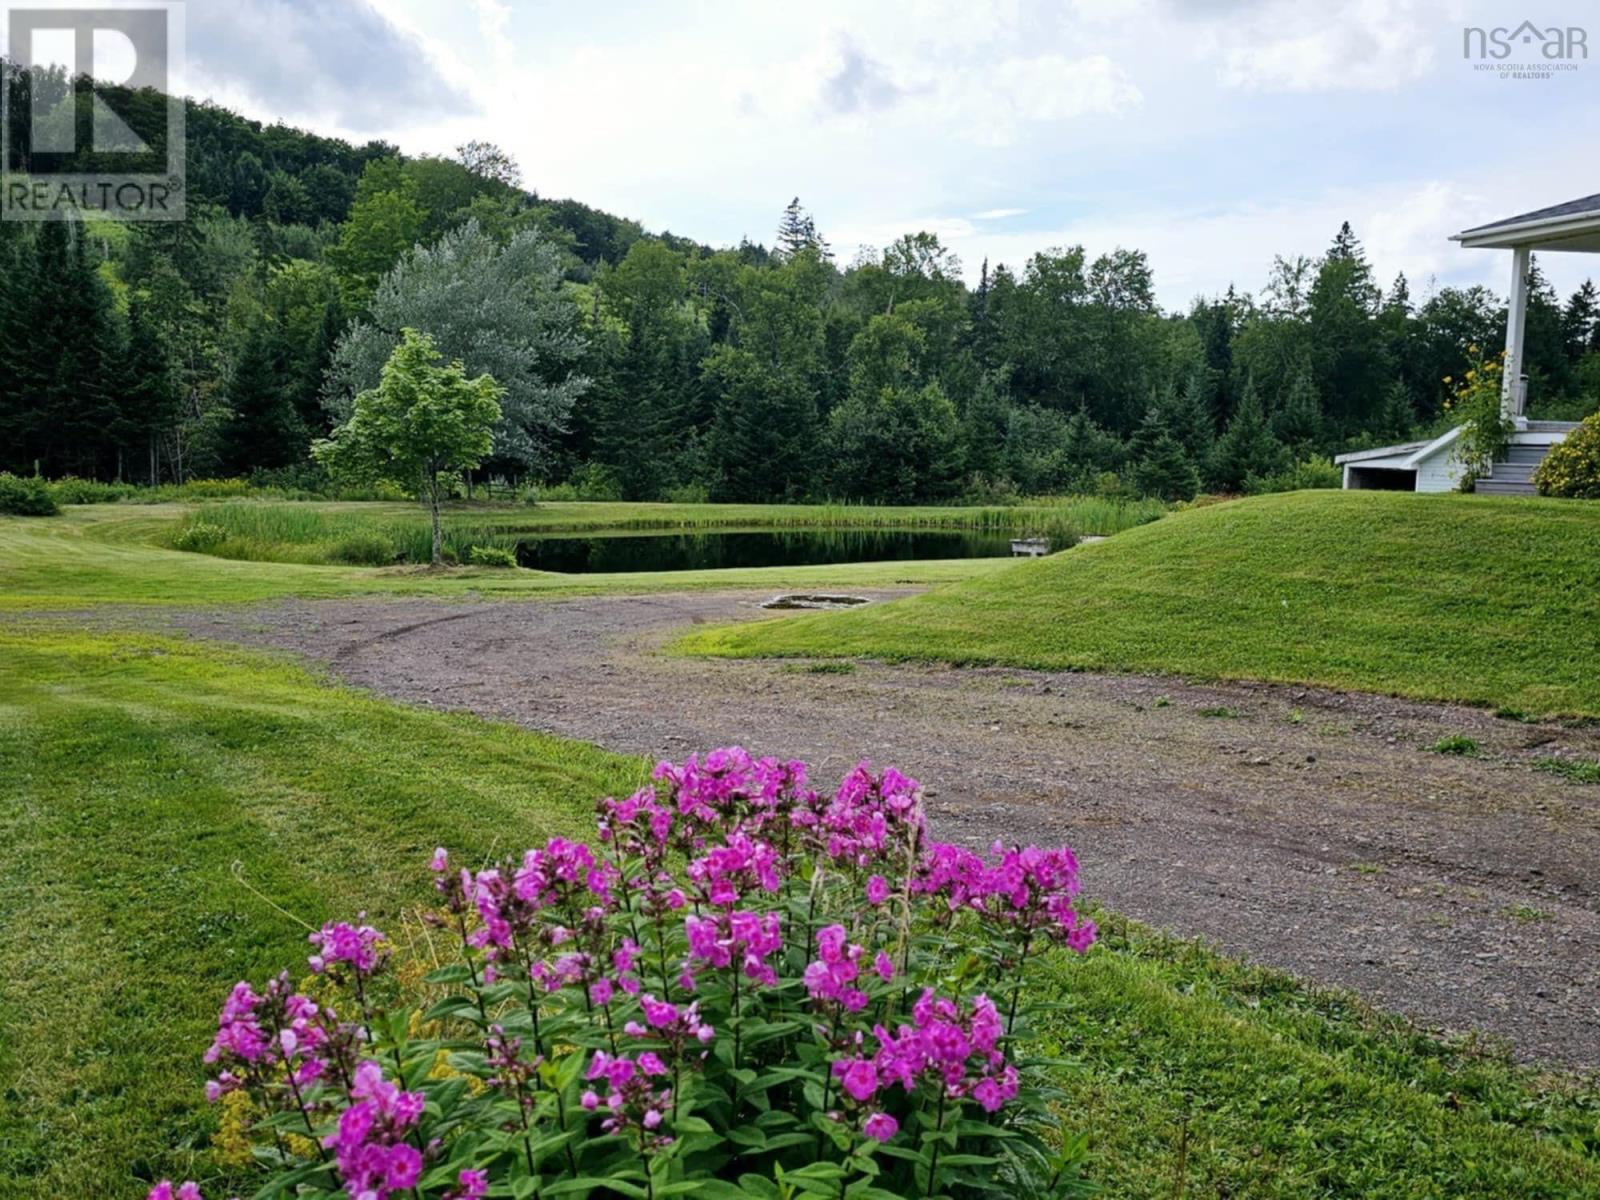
(149, 395)
(797, 231)
(263, 429)
(1581, 322)
(1162, 467)
(1397, 417)
(1186, 414)
(16, 274)
(1246, 447)
(1298, 421)
(68, 345)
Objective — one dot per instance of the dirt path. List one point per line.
(1309, 830)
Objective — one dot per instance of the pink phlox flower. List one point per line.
(880, 1126)
(341, 942)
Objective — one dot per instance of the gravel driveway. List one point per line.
(1309, 830)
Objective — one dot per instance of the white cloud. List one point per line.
(333, 65)
(999, 214)
(1286, 46)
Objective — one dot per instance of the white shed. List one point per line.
(1409, 467)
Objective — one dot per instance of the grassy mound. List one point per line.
(1477, 599)
(173, 812)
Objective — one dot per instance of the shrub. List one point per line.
(592, 481)
(26, 497)
(1485, 430)
(199, 537)
(745, 988)
(1572, 468)
(363, 549)
(492, 556)
(688, 493)
(71, 490)
(1304, 475)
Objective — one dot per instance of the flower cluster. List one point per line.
(831, 977)
(369, 1145)
(1023, 888)
(632, 1101)
(957, 1049)
(677, 1026)
(871, 817)
(276, 1038)
(358, 947)
(741, 939)
(741, 974)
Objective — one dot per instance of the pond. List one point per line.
(696, 551)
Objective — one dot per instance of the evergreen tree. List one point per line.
(16, 275)
(797, 231)
(1186, 415)
(645, 400)
(1396, 418)
(1298, 421)
(1162, 467)
(1349, 361)
(1546, 360)
(1246, 447)
(983, 426)
(1581, 322)
(263, 428)
(149, 394)
(63, 363)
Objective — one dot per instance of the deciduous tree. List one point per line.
(424, 423)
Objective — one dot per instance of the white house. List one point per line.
(1433, 466)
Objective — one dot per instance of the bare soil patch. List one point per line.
(1310, 830)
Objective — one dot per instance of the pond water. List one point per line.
(680, 551)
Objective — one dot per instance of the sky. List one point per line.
(1211, 134)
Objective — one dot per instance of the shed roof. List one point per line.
(1406, 454)
(1573, 225)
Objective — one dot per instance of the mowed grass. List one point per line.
(1485, 600)
(112, 554)
(136, 772)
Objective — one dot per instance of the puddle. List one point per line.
(804, 600)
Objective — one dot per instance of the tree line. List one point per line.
(648, 366)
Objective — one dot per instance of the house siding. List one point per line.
(1440, 471)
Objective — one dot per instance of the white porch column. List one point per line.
(1511, 397)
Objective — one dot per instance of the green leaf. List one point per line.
(759, 1186)
(588, 1183)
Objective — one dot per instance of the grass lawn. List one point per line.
(1485, 600)
(112, 554)
(136, 772)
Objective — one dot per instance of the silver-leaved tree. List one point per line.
(500, 310)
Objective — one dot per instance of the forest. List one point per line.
(648, 366)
